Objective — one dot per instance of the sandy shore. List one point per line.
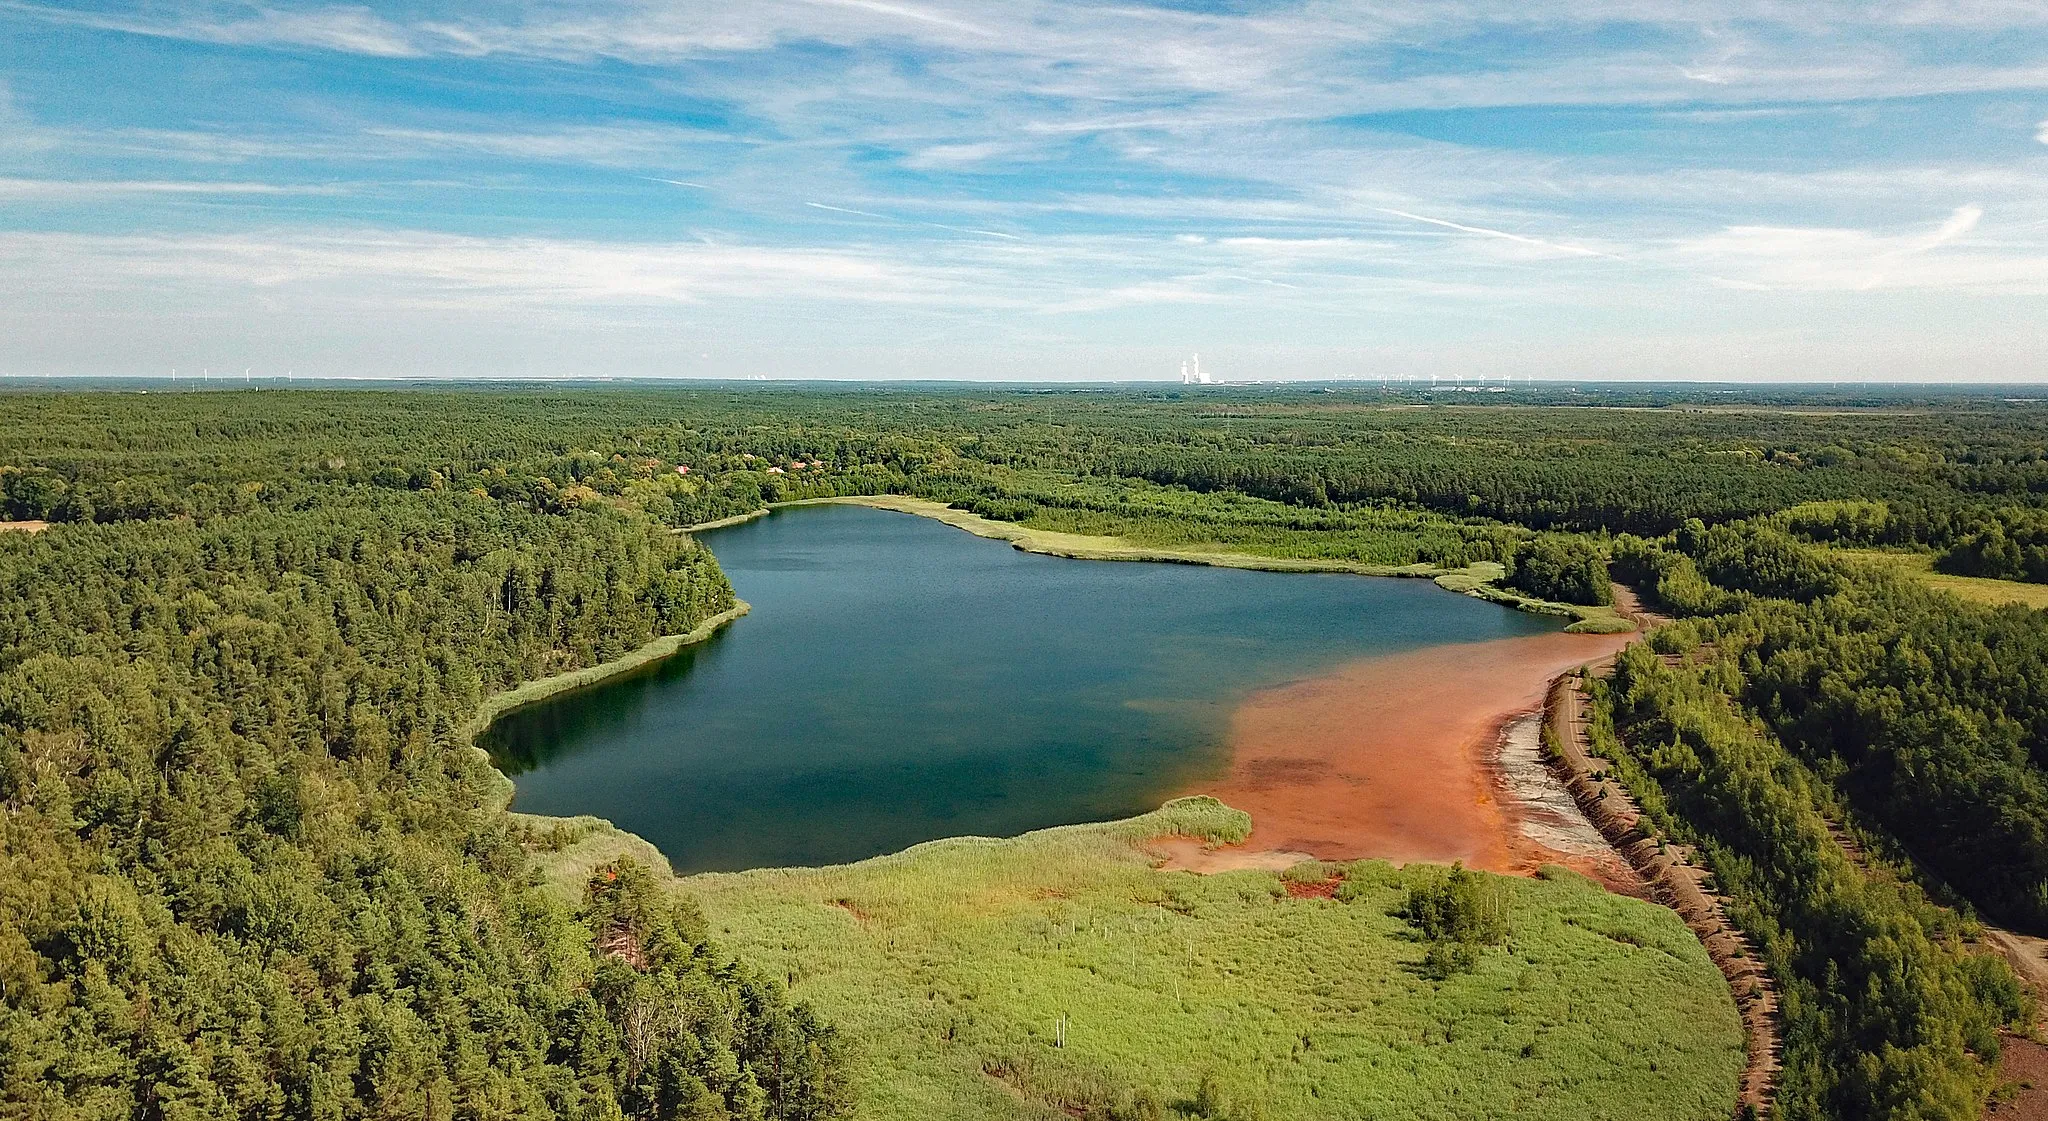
(1396, 758)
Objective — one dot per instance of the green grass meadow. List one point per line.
(1061, 974)
(1977, 589)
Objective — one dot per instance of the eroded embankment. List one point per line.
(1549, 817)
(1395, 757)
(1676, 880)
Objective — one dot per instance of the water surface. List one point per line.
(900, 680)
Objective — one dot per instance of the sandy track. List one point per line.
(2022, 1062)
(1678, 881)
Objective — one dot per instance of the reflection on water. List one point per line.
(899, 680)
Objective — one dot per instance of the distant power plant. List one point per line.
(1191, 372)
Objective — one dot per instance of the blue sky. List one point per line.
(1028, 190)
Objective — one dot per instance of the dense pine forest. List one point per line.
(253, 869)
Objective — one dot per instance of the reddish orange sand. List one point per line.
(1392, 757)
(2024, 1063)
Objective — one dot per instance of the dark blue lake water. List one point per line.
(900, 680)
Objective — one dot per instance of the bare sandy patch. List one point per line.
(1550, 825)
(1396, 757)
(1191, 854)
(2023, 1071)
(24, 527)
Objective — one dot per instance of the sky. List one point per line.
(1783, 190)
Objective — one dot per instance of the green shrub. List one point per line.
(1458, 911)
(1003, 509)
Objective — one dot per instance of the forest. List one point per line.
(251, 868)
(256, 870)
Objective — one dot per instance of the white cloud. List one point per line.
(328, 300)
(19, 135)
(1959, 223)
(1551, 247)
(1313, 57)
(1831, 259)
(586, 144)
(1089, 161)
(90, 188)
(2042, 133)
(351, 30)
(414, 268)
(480, 276)
(938, 156)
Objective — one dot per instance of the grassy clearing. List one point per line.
(721, 523)
(952, 965)
(1978, 589)
(566, 850)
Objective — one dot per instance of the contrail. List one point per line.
(914, 222)
(1584, 252)
(1959, 223)
(850, 210)
(675, 182)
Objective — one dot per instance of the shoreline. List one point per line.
(1075, 546)
(1462, 706)
(581, 842)
(589, 833)
(721, 523)
(1676, 877)
(1476, 580)
(520, 696)
(1551, 826)
(1397, 757)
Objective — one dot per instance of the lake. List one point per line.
(900, 680)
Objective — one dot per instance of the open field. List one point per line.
(1995, 593)
(951, 966)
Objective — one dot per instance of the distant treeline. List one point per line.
(1960, 474)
